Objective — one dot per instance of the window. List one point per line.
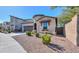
(45, 25)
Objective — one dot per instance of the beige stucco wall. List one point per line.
(51, 27)
(71, 30)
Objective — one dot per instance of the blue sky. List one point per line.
(26, 12)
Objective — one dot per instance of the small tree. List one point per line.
(67, 14)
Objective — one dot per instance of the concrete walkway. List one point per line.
(9, 45)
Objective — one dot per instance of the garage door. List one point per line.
(28, 28)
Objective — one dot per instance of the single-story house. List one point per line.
(45, 23)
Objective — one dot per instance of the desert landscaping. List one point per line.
(32, 44)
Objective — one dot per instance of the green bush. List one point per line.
(33, 32)
(8, 30)
(46, 39)
(38, 35)
(29, 33)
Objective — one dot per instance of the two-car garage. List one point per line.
(27, 27)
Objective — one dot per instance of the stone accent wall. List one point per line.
(71, 30)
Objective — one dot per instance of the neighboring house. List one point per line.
(18, 24)
(0, 27)
(6, 25)
(45, 23)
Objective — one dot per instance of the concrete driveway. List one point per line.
(14, 34)
(9, 45)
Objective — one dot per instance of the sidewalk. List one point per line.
(9, 45)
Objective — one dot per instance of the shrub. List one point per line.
(38, 35)
(29, 33)
(8, 30)
(33, 32)
(46, 39)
